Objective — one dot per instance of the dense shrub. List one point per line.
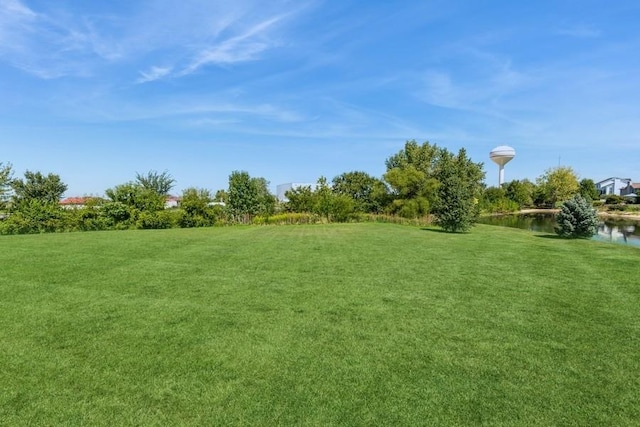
(155, 220)
(613, 199)
(576, 219)
(34, 216)
(115, 212)
(86, 219)
(410, 208)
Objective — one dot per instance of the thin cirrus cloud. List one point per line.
(48, 47)
(245, 46)
(154, 73)
(49, 44)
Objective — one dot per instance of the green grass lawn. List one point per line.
(357, 324)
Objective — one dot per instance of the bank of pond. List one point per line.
(620, 231)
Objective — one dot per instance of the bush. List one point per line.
(613, 199)
(576, 219)
(155, 220)
(34, 216)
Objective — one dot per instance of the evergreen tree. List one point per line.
(6, 177)
(576, 218)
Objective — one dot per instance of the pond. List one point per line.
(616, 231)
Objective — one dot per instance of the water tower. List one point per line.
(502, 155)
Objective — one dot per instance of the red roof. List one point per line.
(75, 200)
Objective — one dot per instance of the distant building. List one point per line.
(171, 202)
(632, 190)
(76, 202)
(283, 188)
(612, 185)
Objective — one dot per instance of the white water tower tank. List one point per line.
(502, 155)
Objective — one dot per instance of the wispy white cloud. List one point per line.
(240, 48)
(39, 44)
(154, 73)
(159, 37)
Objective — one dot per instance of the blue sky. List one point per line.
(292, 90)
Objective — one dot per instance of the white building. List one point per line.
(283, 188)
(613, 185)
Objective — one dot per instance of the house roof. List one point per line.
(635, 185)
(613, 178)
(75, 200)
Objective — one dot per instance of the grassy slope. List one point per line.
(341, 324)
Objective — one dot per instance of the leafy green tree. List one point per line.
(36, 186)
(331, 206)
(520, 192)
(362, 188)
(494, 199)
(558, 184)
(411, 176)
(456, 206)
(161, 183)
(409, 182)
(323, 199)
(588, 189)
(221, 196)
(249, 196)
(576, 218)
(266, 200)
(422, 157)
(136, 196)
(300, 199)
(195, 201)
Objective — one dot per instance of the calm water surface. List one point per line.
(622, 232)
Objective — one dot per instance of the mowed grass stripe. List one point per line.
(352, 324)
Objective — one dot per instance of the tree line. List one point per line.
(422, 181)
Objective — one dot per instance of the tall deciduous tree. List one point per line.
(36, 186)
(456, 206)
(588, 189)
(368, 193)
(161, 183)
(411, 176)
(520, 192)
(300, 199)
(249, 196)
(331, 206)
(134, 195)
(558, 184)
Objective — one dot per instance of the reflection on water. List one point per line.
(624, 232)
